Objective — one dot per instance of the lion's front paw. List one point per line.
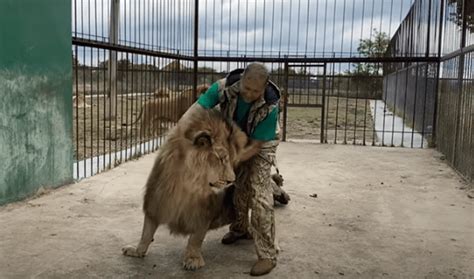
(193, 262)
(131, 251)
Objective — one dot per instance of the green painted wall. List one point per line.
(35, 96)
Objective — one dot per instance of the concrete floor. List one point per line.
(379, 213)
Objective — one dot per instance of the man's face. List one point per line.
(251, 89)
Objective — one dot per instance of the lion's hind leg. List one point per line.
(192, 256)
(149, 229)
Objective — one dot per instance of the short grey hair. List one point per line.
(257, 70)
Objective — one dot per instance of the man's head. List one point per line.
(254, 81)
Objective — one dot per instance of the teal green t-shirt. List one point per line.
(264, 131)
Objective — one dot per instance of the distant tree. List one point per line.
(207, 74)
(124, 64)
(375, 46)
(104, 64)
(367, 76)
(457, 15)
(281, 71)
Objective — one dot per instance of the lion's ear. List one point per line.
(203, 139)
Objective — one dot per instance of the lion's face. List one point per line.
(217, 158)
(221, 174)
(192, 166)
(221, 150)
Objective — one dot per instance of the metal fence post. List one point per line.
(285, 101)
(113, 39)
(437, 77)
(323, 102)
(196, 40)
(460, 80)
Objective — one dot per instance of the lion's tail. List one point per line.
(136, 120)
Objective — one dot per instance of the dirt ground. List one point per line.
(346, 119)
(399, 213)
(95, 134)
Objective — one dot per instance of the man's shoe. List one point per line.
(262, 267)
(283, 198)
(232, 237)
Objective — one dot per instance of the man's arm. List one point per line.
(266, 130)
(210, 99)
(207, 100)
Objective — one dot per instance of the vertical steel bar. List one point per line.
(196, 45)
(460, 81)
(438, 75)
(113, 39)
(323, 109)
(414, 105)
(407, 70)
(285, 102)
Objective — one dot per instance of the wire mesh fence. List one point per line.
(447, 85)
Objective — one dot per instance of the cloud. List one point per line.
(244, 27)
(298, 26)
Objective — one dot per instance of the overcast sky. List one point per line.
(238, 27)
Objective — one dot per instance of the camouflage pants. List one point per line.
(254, 195)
